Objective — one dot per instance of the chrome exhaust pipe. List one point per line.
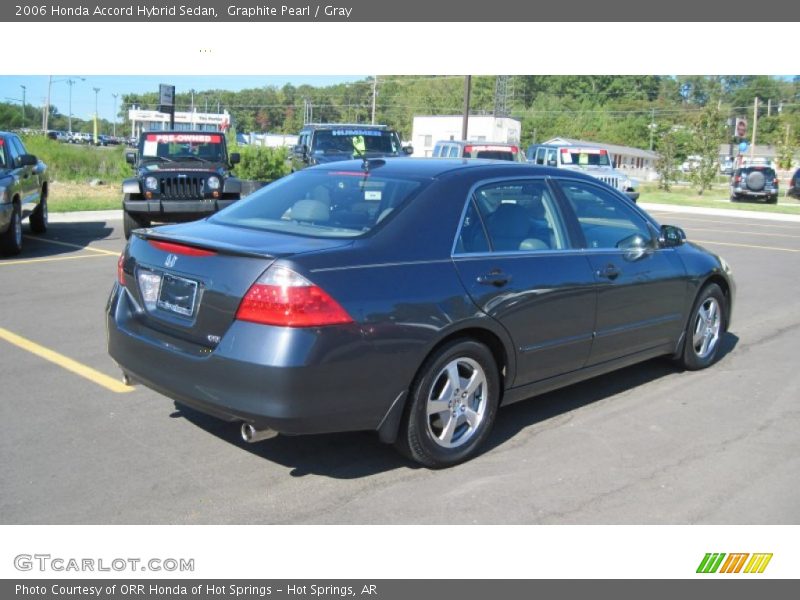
(251, 435)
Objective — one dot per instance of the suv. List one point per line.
(330, 142)
(593, 161)
(479, 149)
(180, 176)
(23, 193)
(759, 182)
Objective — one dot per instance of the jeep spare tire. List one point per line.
(756, 181)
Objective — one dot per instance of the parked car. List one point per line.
(477, 149)
(409, 297)
(794, 185)
(758, 182)
(23, 193)
(180, 176)
(594, 161)
(320, 143)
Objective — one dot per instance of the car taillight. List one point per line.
(121, 269)
(737, 179)
(180, 249)
(467, 150)
(284, 298)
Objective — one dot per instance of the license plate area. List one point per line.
(177, 295)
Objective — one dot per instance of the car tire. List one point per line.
(705, 329)
(39, 217)
(11, 240)
(772, 200)
(461, 379)
(129, 223)
(734, 198)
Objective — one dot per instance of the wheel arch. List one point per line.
(501, 350)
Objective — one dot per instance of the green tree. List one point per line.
(708, 134)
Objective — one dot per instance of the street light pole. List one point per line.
(46, 114)
(96, 124)
(115, 114)
(70, 83)
(23, 104)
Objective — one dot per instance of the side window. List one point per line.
(437, 151)
(520, 216)
(552, 155)
(606, 221)
(3, 163)
(453, 152)
(13, 152)
(540, 156)
(19, 145)
(473, 236)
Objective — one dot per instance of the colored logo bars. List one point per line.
(733, 563)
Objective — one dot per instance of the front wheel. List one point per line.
(129, 223)
(11, 240)
(452, 406)
(704, 329)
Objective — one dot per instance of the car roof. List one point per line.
(437, 167)
(478, 143)
(337, 125)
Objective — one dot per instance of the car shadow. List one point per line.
(360, 454)
(65, 238)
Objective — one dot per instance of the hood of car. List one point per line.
(185, 167)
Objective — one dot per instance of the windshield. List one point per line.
(329, 204)
(183, 146)
(585, 159)
(355, 140)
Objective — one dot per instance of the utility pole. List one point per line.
(652, 126)
(465, 118)
(374, 96)
(115, 114)
(46, 113)
(755, 128)
(23, 104)
(96, 116)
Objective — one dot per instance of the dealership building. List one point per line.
(427, 130)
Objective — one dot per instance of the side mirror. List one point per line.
(235, 158)
(130, 158)
(671, 236)
(28, 160)
(409, 150)
(299, 150)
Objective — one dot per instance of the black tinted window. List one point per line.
(606, 220)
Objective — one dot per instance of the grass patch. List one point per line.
(79, 163)
(71, 197)
(715, 198)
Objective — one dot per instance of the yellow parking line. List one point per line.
(69, 245)
(747, 246)
(65, 362)
(24, 261)
(786, 235)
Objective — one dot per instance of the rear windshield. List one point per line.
(769, 171)
(331, 204)
(183, 146)
(355, 141)
(495, 154)
(587, 159)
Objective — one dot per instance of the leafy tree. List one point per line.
(708, 134)
(667, 159)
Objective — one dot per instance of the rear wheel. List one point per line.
(11, 240)
(39, 217)
(452, 406)
(734, 198)
(772, 200)
(704, 330)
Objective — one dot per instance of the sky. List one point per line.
(83, 95)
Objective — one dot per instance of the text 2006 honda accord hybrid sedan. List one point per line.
(409, 297)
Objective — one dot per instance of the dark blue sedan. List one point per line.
(411, 297)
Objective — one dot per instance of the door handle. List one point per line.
(609, 272)
(496, 278)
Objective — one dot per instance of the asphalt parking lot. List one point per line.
(647, 444)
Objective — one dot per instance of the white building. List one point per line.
(427, 130)
(152, 120)
(270, 140)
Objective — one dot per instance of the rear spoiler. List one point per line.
(203, 244)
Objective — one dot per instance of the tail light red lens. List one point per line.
(467, 149)
(121, 269)
(181, 249)
(284, 298)
(737, 179)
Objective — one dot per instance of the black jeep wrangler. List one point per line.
(180, 176)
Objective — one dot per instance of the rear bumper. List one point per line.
(765, 193)
(175, 209)
(291, 380)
